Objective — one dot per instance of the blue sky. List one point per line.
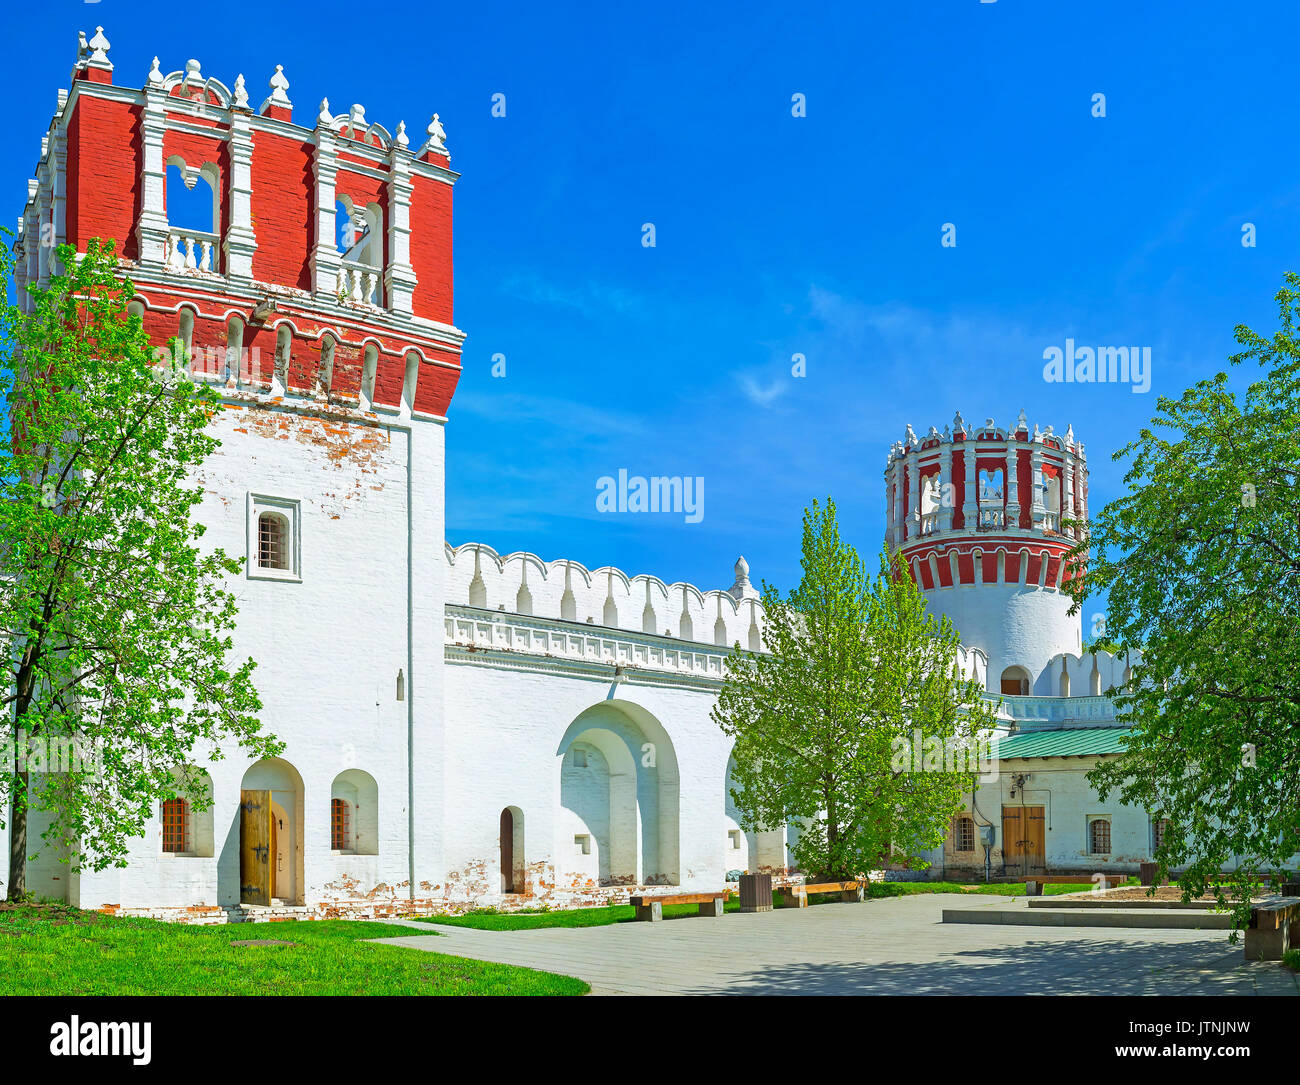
(777, 235)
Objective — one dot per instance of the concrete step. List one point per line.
(1165, 919)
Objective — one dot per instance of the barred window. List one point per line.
(272, 541)
(1158, 832)
(963, 834)
(1099, 836)
(175, 818)
(339, 824)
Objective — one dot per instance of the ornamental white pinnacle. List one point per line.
(279, 85)
(401, 139)
(240, 92)
(99, 46)
(323, 117)
(155, 74)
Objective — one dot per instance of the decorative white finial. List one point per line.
(193, 75)
(1069, 434)
(437, 141)
(323, 117)
(278, 84)
(83, 50)
(742, 588)
(241, 92)
(958, 424)
(357, 119)
(155, 74)
(99, 50)
(1021, 422)
(401, 139)
(989, 424)
(909, 437)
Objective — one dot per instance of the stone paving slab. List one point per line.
(882, 947)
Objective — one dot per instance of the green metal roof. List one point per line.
(1064, 742)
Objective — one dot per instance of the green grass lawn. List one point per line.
(489, 919)
(54, 950)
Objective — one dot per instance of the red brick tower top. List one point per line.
(368, 327)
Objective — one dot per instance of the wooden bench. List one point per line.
(651, 908)
(1269, 934)
(796, 896)
(1034, 882)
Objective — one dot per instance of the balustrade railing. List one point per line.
(359, 283)
(191, 250)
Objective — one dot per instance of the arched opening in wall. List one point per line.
(1052, 501)
(271, 830)
(135, 307)
(185, 348)
(511, 843)
(325, 373)
(192, 204)
(740, 847)
(361, 250)
(992, 497)
(619, 800)
(236, 371)
(283, 350)
(354, 813)
(410, 380)
(930, 503)
(1064, 684)
(369, 367)
(1015, 682)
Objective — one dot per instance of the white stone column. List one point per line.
(1067, 488)
(43, 194)
(1038, 507)
(970, 499)
(1012, 486)
(32, 231)
(945, 485)
(240, 241)
(399, 275)
(325, 259)
(151, 230)
(913, 495)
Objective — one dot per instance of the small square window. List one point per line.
(582, 844)
(579, 759)
(733, 837)
(274, 538)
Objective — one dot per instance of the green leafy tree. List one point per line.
(116, 623)
(853, 668)
(1201, 560)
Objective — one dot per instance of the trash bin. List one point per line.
(1147, 873)
(756, 892)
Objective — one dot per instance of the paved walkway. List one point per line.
(881, 947)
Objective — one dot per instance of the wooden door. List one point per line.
(1024, 839)
(1011, 850)
(255, 847)
(1033, 826)
(507, 851)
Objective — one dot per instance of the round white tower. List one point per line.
(978, 512)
